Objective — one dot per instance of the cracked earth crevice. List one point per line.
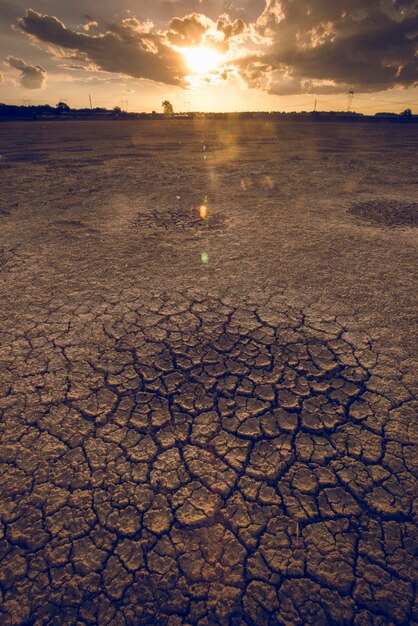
(178, 459)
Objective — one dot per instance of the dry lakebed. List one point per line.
(208, 396)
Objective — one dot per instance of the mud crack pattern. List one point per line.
(196, 459)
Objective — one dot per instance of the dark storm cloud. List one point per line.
(325, 46)
(31, 76)
(127, 47)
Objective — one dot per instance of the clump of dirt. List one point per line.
(387, 212)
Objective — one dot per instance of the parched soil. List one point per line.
(390, 213)
(206, 418)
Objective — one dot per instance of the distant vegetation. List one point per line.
(63, 111)
(168, 108)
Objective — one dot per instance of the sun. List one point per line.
(201, 60)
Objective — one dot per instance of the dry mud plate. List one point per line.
(193, 459)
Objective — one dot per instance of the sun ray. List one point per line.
(201, 60)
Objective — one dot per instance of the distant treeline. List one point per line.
(62, 111)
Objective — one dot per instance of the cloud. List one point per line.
(91, 25)
(290, 47)
(248, 10)
(31, 76)
(134, 47)
(230, 28)
(127, 47)
(197, 29)
(329, 46)
(189, 30)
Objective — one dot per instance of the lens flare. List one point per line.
(203, 212)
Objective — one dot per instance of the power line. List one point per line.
(394, 102)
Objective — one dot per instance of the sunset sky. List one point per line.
(211, 55)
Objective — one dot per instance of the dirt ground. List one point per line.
(208, 416)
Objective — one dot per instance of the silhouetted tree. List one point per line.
(168, 108)
(407, 112)
(62, 106)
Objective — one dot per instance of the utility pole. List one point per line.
(350, 100)
(315, 106)
(91, 105)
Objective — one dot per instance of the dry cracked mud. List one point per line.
(187, 443)
(385, 213)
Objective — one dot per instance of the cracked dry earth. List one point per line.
(224, 451)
